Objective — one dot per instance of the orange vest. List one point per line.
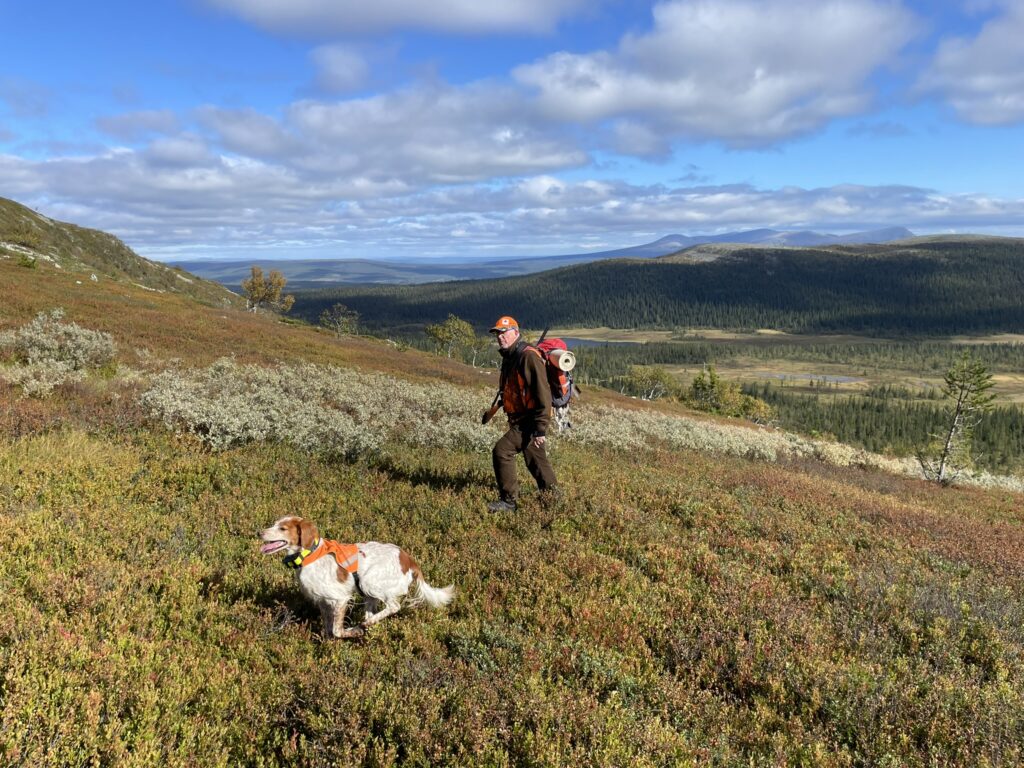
(516, 396)
(346, 555)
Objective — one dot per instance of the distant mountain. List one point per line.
(312, 273)
(30, 236)
(775, 237)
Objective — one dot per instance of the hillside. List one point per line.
(703, 593)
(37, 241)
(918, 287)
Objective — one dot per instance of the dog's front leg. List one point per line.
(327, 618)
(339, 622)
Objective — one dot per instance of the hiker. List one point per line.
(526, 399)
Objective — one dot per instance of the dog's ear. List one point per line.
(307, 533)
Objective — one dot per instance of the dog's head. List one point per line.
(288, 535)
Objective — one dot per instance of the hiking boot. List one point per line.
(501, 505)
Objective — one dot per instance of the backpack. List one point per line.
(559, 362)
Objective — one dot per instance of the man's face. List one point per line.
(507, 337)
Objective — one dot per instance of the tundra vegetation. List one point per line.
(705, 591)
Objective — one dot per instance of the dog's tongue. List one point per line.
(273, 546)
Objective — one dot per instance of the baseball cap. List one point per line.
(504, 323)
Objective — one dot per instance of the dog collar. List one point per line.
(346, 555)
(296, 560)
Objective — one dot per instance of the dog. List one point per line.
(330, 574)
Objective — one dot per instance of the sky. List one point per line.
(471, 129)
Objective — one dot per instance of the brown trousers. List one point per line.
(517, 440)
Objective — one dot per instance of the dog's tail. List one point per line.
(435, 597)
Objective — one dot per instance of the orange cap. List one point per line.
(504, 323)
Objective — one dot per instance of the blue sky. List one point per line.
(335, 128)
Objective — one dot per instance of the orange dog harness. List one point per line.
(346, 555)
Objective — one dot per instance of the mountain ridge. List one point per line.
(310, 273)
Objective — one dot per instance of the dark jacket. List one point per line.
(526, 395)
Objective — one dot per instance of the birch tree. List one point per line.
(266, 291)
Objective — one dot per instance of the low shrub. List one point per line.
(23, 234)
(49, 353)
(344, 412)
(40, 379)
(319, 409)
(46, 339)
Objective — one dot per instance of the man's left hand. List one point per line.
(538, 441)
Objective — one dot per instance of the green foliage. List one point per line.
(340, 319)
(266, 291)
(29, 262)
(967, 385)
(22, 233)
(709, 392)
(452, 335)
(649, 382)
(894, 425)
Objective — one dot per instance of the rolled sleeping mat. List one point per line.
(564, 359)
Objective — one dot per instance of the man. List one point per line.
(526, 400)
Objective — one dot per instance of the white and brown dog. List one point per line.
(330, 574)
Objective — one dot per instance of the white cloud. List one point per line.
(340, 68)
(179, 198)
(332, 17)
(184, 151)
(248, 132)
(746, 72)
(420, 135)
(983, 78)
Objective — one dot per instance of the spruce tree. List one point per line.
(967, 385)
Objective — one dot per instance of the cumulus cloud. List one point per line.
(340, 68)
(322, 17)
(747, 72)
(248, 132)
(983, 78)
(419, 135)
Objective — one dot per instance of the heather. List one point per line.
(674, 608)
(704, 592)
